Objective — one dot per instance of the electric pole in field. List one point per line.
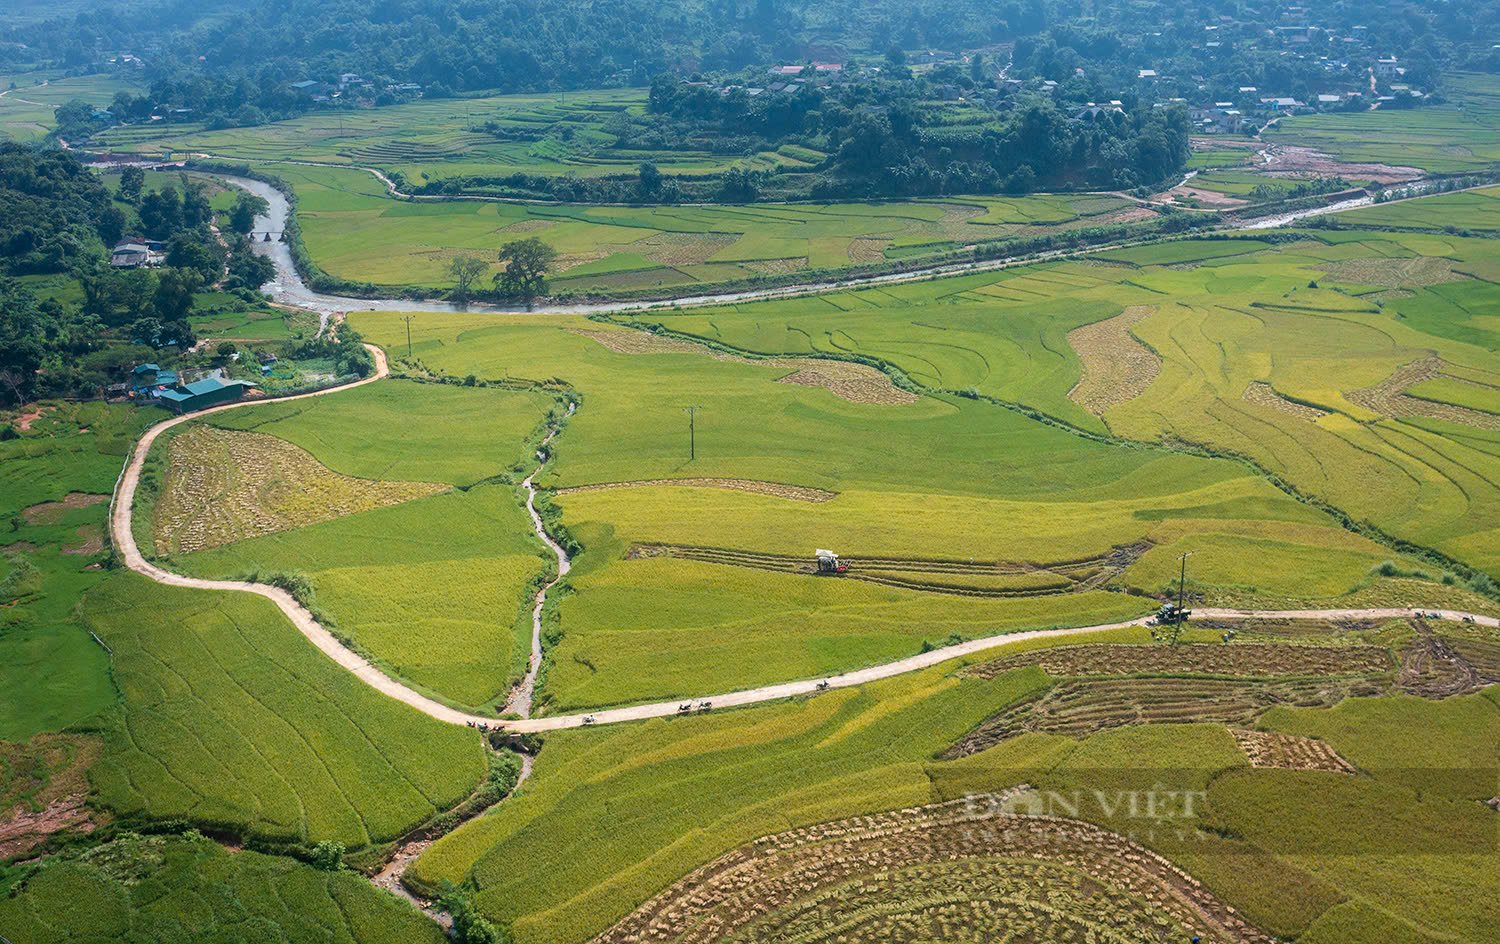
(1182, 588)
(692, 412)
(407, 319)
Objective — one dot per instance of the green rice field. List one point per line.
(1463, 135)
(442, 138)
(354, 231)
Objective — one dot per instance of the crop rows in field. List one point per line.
(1289, 751)
(1116, 366)
(230, 719)
(1080, 707)
(226, 485)
(155, 889)
(965, 577)
(1435, 665)
(1240, 659)
(1390, 399)
(961, 871)
(1263, 394)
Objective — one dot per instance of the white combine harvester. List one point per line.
(829, 563)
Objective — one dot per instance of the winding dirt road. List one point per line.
(123, 538)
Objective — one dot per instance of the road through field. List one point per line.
(123, 538)
(289, 288)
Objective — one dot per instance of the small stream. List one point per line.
(521, 696)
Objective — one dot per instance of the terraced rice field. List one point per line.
(1309, 383)
(652, 626)
(224, 486)
(230, 719)
(963, 871)
(172, 888)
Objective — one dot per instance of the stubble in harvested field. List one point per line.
(965, 871)
(1116, 366)
(1394, 273)
(1248, 660)
(1390, 399)
(1265, 395)
(226, 485)
(1080, 707)
(44, 789)
(1289, 751)
(857, 383)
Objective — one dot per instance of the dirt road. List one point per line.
(123, 538)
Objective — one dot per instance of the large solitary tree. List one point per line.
(465, 271)
(526, 262)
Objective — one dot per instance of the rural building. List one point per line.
(1388, 68)
(148, 380)
(136, 253)
(201, 394)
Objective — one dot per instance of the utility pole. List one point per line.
(1182, 587)
(692, 412)
(407, 319)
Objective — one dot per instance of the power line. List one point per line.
(407, 319)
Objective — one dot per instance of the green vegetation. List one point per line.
(146, 890)
(681, 791)
(645, 622)
(230, 719)
(355, 232)
(1225, 315)
(1463, 135)
(54, 479)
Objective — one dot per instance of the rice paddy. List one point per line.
(355, 231)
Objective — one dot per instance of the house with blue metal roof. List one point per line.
(201, 394)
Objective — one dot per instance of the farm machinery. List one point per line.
(1170, 614)
(829, 563)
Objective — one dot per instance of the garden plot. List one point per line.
(1116, 366)
(224, 485)
(1289, 751)
(954, 872)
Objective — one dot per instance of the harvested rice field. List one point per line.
(223, 486)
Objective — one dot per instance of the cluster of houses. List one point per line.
(152, 384)
(351, 84)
